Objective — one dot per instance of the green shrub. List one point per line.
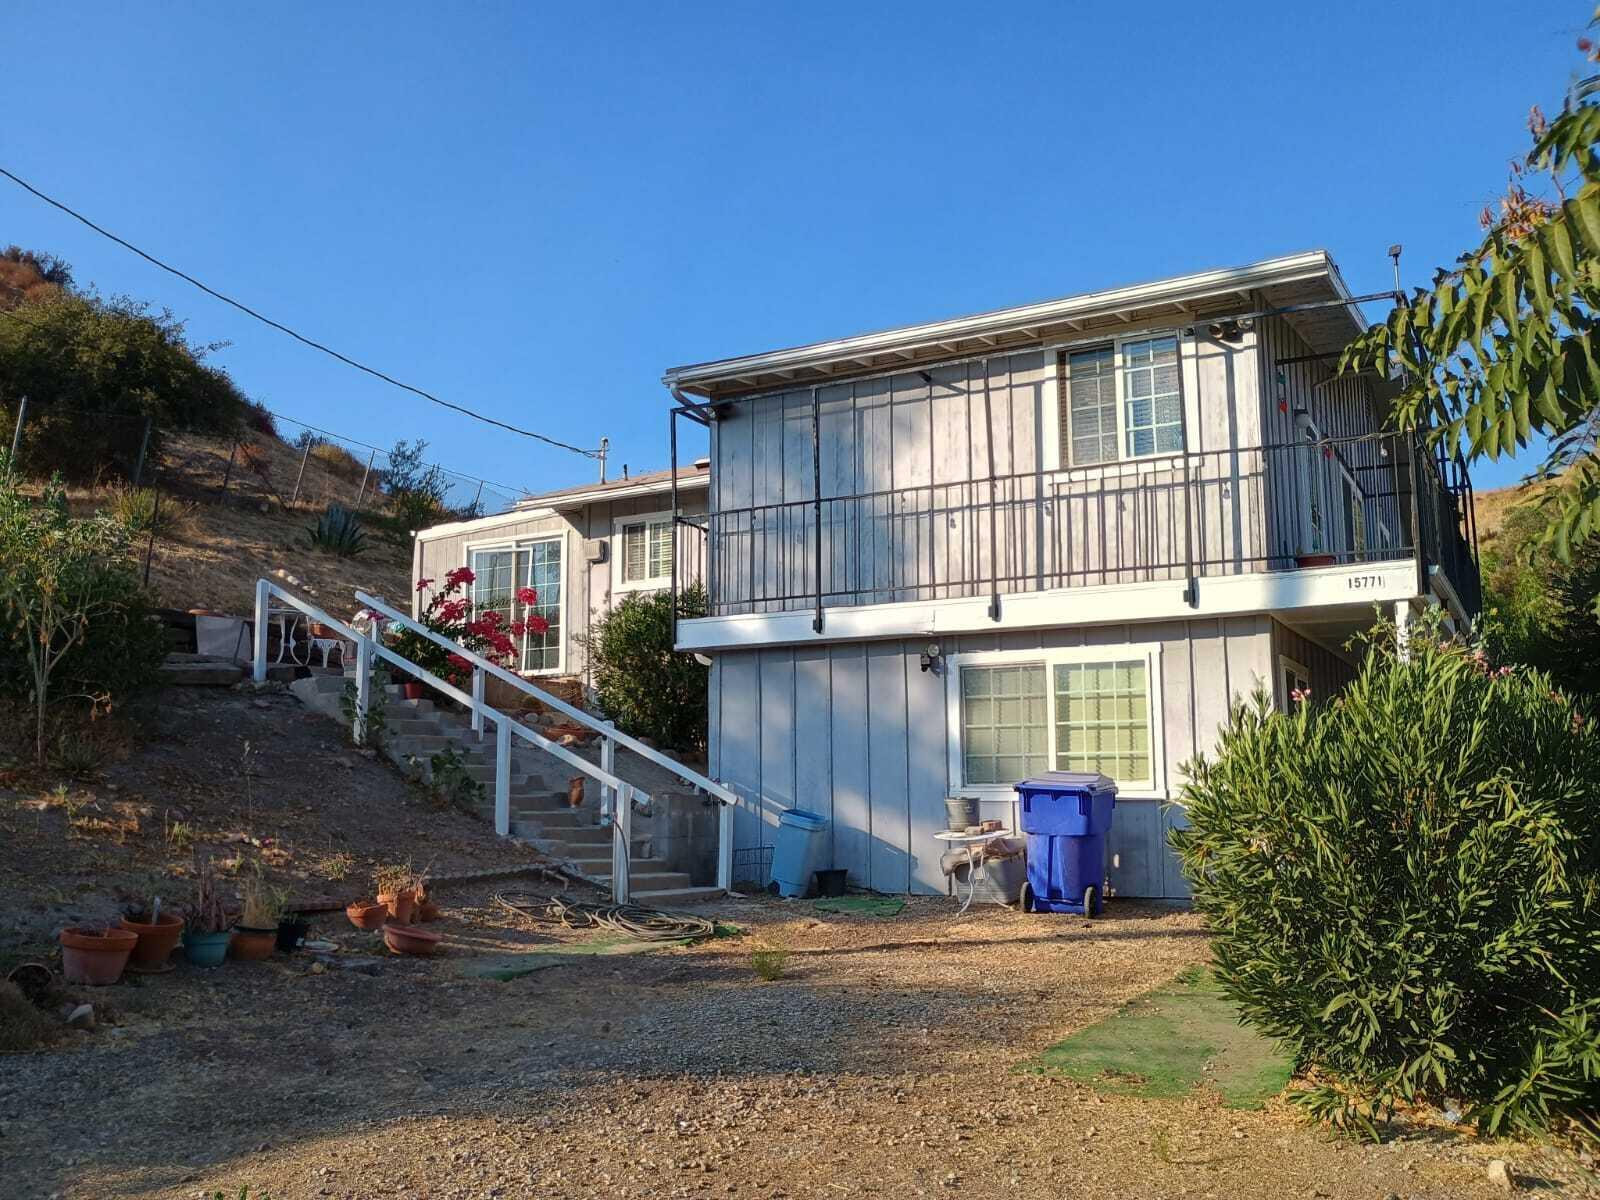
(1404, 884)
(75, 624)
(338, 531)
(640, 682)
(138, 511)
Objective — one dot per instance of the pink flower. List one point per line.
(424, 584)
(537, 626)
(1300, 695)
(527, 596)
(459, 663)
(459, 576)
(452, 611)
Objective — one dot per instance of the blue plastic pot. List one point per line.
(206, 949)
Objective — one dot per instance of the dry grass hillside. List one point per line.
(221, 529)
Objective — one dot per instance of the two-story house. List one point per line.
(945, 557)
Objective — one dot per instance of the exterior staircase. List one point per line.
(416, 730)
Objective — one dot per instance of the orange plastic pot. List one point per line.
(399, 904)
(252, 945)
(410, 939)
(95, 956)
(156, 939)
(365, 914)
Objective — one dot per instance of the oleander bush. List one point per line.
(640, 682)
(1403, 883)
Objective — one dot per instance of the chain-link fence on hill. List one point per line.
(280, 460)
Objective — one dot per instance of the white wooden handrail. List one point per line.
(724, 794)
(369, 646)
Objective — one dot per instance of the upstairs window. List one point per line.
(1121, 401)
(644, 552)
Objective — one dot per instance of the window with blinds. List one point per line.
(1120, 401)
(646, 551)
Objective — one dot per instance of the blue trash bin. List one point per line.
(1066, 816)
(801, 850)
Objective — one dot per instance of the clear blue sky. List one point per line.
(533, 210)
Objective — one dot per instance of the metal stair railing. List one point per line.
(370, 649)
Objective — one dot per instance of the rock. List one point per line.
(1499, 1173)
(317, 968)
(78, 1016)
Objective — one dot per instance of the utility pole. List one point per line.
(605, 448)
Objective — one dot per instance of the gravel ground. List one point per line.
(883, 1062)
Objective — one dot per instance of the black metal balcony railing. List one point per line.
(1179, 517)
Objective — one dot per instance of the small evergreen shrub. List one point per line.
(338, 531)
(1404, 884)
(641, 683)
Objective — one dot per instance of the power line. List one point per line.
(282, 328)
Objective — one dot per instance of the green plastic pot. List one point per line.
(206, 949)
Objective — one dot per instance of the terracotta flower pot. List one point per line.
(156, 939)
(411, 689)
(425, 910)
(319, 630)
(95, 956)
(367, 914)
(252, 945)
(399, 904)
(410, 939)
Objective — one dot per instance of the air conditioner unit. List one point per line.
(597, 550)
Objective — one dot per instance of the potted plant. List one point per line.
(410, 939)
(256, 934)
(207, 933)
(94, 955)
(158, 934)
(397, 891)
(367, 914)
(425, 909)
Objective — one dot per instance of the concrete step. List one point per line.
(650, 881)
(207, 673)
(666, 897)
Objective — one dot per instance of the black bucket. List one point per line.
(831, 882)
(292, 934)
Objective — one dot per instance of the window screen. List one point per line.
(1103, 719)
(1004, 723)
(1153, 408)
(1089, 414)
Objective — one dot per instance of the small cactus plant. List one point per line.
(339, 531)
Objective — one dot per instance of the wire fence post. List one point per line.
(362, 491)
(155, 520)
(304, 454)
(16, 436)
(144, 447)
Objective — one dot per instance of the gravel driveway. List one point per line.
(883, 1063)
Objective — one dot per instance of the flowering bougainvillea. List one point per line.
(489, 634)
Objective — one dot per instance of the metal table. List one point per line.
(972, 843)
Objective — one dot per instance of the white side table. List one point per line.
(973, 844)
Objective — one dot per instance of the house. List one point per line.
(581, 549)
(944, 557)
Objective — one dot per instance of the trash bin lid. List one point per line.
(801, 819)
(1069, 782)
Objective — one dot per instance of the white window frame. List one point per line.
(654, 583)
(513, 544)
(1154, 788)
(1288, 666)
(1063, 365)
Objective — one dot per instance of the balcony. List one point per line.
(1182, 518)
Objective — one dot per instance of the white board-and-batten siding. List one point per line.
(857, 731)
(904, 465)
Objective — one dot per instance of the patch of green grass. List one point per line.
(1170, 1041)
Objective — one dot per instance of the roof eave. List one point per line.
(733, 373)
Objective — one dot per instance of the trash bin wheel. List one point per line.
(1089, 896)
(1024, 894)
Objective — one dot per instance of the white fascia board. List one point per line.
(1269, 272)
(658, 488)
(515, 517)
(1112, 604)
